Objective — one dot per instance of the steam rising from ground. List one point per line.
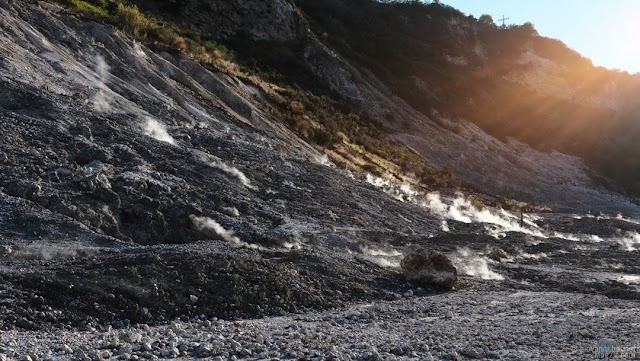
(402, 193)
(213, 229)
(460, 209)
(497, 221)
(101, 100)
(384, 263)
(324, 160)
(219, 164)
(157, 130)
(369, 251)
(629, 242)
(469, 263)
(381, 257)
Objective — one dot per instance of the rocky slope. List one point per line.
(512, 170)
(144, 200)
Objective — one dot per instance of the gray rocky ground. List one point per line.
(151, 209)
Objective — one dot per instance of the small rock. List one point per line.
(585, 333)
(5, 250)
(409, 293)
(24, 323)
(260, 339)
(497, 254)
(131, 337)
(205, 349)
(66, 349)
(193, 298)
(470, 352)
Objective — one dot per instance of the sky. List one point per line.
(607, 32)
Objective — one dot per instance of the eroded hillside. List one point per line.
(160, 202)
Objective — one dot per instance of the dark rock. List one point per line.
(24, 323)
(429, 268)
(497, 254)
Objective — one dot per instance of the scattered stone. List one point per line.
(131, 337)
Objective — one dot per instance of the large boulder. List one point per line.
(430, 269)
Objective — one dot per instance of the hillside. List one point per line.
(243, 179)
(369, 60)
(509, 81)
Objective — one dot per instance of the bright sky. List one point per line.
(607, 32)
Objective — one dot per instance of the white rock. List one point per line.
(131, 337)
(66, 349)
(193, 298)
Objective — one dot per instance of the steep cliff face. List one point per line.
(275, 20)
(263, 21)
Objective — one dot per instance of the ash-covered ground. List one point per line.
(151, 209)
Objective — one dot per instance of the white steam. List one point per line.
(233, 171)
(138, 50)
(379, 252)
(157, 130)
(629, 242)
(469, 263)
(102, 99)
(629, 279)
(384, 262)
(230, 211)
(324, 160)
(445, 226)
(462, 210)
(403, 193)
(213, 229)
(381, 257)
(294, 243)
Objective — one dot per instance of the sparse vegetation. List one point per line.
(143, 27)
(131, 20)
(299, 100)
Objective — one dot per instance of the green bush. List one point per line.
(131, 20)
(94, 8)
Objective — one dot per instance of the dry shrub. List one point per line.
(216, 55)
(303, 126)
(476, 202)
(180, 44)
(296, 107)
